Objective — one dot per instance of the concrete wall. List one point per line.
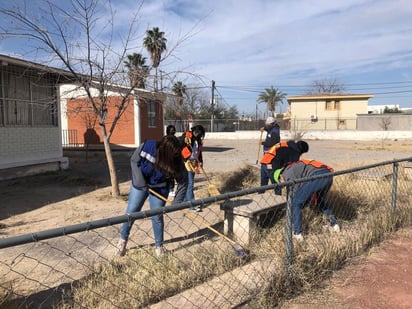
(379, 121)
(26, 151)
(318, 135)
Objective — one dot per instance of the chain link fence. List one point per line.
(209, 263)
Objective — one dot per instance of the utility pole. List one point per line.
(213, 106)
(256, 119)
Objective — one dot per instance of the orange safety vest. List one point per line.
(316, 164)
(271, 153)
(187, 149)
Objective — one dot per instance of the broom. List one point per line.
(236, 247)
(213, 191)
(260, 146)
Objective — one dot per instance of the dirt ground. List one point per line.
(380, 279)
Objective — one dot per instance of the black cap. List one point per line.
(303, 146)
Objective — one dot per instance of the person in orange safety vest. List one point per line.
(192, 142)
(303, 192)
(281, 154)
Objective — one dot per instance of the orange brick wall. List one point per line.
(155, 132)
(81, 118)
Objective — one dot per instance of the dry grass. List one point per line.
(367, 219)
(142, 279)
(361, 206)
(363, 211)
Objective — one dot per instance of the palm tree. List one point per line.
(155, 43)
(138, 70)
(271, 96)
(179, 89)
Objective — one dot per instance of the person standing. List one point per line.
(303, 192)
(272, 138)
(192, 142)
(283, 153)
(170, 130)
(154, 166)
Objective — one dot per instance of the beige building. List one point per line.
(326, 111)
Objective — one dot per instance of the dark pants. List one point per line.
(266, 174)
(305, 191)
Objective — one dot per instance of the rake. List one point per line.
(240, 252)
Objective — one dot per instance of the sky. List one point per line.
(246, 46)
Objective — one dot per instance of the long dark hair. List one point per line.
(168, 155)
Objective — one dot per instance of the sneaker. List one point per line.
(298, 237)
(196, 209)
(121, 247)
(160, 251)
(336, 228)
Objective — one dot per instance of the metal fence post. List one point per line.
(394, 184)
(288, 231)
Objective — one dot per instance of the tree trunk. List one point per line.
(111, 166)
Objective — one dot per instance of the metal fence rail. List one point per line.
(58, 267)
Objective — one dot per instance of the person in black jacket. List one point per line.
(281, 154)
(272, 138)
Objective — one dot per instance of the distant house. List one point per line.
(327, 111)
(30, 131)
(142, 118)
(380, 109)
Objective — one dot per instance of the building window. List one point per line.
(26, 100)
(332, 105)
(151, 114)
(337, 105)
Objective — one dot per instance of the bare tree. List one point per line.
(385, 123)
(79, 38)
(325, 86)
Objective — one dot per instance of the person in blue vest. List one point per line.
(272, 138)
(155, 165)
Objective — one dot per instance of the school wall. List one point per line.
(25, 151)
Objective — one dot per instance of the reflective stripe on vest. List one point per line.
(271, 153)
(316, 164)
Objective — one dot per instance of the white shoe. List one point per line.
(298, 237)
(160, 251)
(336, 228)
(121, 247)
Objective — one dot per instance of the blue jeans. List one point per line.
(304, 192)
(137, 197)
(190, 187)
(266, 174)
